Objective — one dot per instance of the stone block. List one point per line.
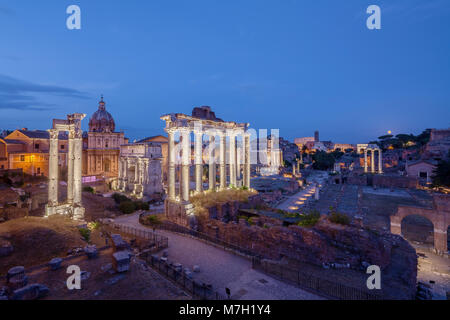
(91, 252)
(118, 243)
(30, 292)
(121, 261)
(16, 278)
(55, 264)
(196, 269)
(6, 248)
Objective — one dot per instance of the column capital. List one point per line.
(54, 133)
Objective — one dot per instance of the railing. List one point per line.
(159, 241)
(198, 290)
(173, 227)
(322, 286)
(306, 281)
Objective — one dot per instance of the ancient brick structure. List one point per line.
(439, 215)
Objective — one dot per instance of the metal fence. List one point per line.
(198, 290)
(173, 227)
(159, 241)
(322, 286)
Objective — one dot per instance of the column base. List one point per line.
(67, 209)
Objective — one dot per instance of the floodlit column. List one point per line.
(238, 161)
(186, 161)
(365, 160)
(372, 161)
(247, 160)
(380, 161)
(171, 187)
(77, 182)
(223, 174)
(198, 150)
(232, 158)
(212, 162)
(53, 169)
(70, 163)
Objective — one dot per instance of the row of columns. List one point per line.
(138, 178)
(74, 177)
(198, 161)
(372, 162)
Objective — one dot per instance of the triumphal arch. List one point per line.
(73, 205)
(226, 166)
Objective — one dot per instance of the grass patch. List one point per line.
(310, 219)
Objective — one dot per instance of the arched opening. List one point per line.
(418, 229)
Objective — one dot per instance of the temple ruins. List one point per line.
(73, 206)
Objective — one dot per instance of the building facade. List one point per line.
(140, 169)
(102, 145)
(29, 150)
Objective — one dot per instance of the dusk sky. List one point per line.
(297, 66)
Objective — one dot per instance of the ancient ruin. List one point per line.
(177, 204)
(140, 169)
(439, 216)
(73, 205)
(372, 148)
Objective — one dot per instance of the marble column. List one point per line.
(70, 163)
(365, 160)
(171, 185)
(232, 136)
(223, 174)
(77, 167)
(380, 161)
(238, 162)
(212, 162)
(247, 160)
(186, 162)
(53, 169)
(198, 150)
(372, 161)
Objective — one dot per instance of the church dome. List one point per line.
(101, 120)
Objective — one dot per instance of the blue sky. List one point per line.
(297, 66)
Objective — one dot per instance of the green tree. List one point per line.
(441, 175)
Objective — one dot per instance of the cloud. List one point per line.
(20, 94)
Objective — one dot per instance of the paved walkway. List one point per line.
(298, 200)
(223, 269)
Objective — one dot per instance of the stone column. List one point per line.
(212, 162)
(53, 169)
(77, 167)
(247, 160)
(223, 172)
(70, 163)
(372, 161)
(186, 162)
(171, 184)
(238, 161)
(198, 150)
(365, 160)
(232, 158)
(380, 161)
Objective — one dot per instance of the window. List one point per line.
(22, 158)
(38, 170)
(36, 146)
(3, 166)
(62, 147)
(423, 175)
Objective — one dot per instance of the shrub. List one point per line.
(339, 218)
(251, 221)
(310, 219)
(127, 207)
(93, 225)
(88, 189)
(153, 221)
(85, 233)
(119, 198)
(140, 205)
